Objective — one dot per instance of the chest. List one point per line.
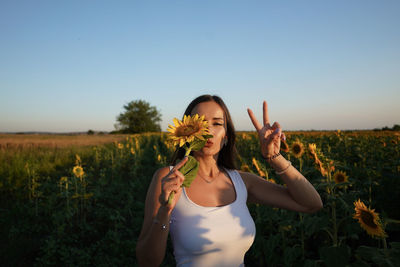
(219, 193)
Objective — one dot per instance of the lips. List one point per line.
(209, 143)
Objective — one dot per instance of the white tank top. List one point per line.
(212, 236)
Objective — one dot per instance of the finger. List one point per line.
(180, 164)
(265, 113)
(172, 187)
(253, 119)
(276, 134)
(276, 125)
(179, 176)
(283, 136)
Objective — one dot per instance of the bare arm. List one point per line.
(152, 241)
(298, 195)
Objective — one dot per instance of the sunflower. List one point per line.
(297, 149)
(245, 168)
(188, 129)
(368, 220)
(78, 171)
(312, 148)
(340, 177)
(314, 152)
(120, 146)
(284, 146)
(260, 172)
(64, 180)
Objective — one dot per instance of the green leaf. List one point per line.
(189, 170)
(197, 144)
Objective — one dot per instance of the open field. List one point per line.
(54, 140)
(79, 200)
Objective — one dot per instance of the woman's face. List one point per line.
(214, 114)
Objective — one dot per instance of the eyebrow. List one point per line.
(216, 118)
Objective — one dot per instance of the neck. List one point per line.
(208, 166)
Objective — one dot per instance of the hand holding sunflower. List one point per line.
(192, 134)
(269, 136)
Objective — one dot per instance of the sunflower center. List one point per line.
(368, 219)
(340, 178)
(187, 130)
(297, 149)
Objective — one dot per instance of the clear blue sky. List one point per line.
(72, 65)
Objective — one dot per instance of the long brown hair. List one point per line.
(228, 153)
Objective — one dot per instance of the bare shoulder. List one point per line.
(248, 178)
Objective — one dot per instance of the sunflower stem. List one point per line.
(171, 197)
(188, 151)
(301, 165)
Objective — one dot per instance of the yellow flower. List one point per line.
(314, 155)
(132, 151)
(286, 228)
(88, 195)
(120, 146)
(78, 171)
(368, 220)
(77, 160)
(260, 172)
(245, 168)
(284, 146)
(159, 157)
(297, 149)
(313, 148)
(64, 180)
(187, 130)
(340, 177)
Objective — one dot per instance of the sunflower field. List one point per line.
(82, 204)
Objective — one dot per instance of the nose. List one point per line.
(211, 129)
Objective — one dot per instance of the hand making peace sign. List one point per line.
(270, 136)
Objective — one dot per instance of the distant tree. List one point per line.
(90, 132)
(396, 127)
(138, 117)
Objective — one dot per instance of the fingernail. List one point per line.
(284, 138)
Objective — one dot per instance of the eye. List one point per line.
(218, 124)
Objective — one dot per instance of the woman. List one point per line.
(209, 221)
